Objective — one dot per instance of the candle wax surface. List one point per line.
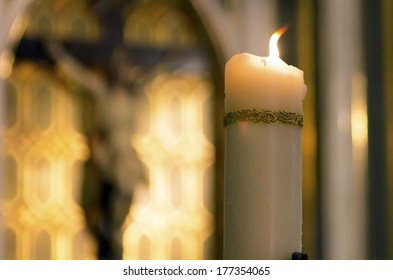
(264, 83)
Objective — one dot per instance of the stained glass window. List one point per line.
(46, 145)
(42, 148)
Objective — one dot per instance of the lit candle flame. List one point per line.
(273, 49)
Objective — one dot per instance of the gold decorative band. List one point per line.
(265, 116)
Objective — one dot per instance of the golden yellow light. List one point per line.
(359, 117)
(6, 63)
(359, 127)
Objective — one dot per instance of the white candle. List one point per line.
(263, 197)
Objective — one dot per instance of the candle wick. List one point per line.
(264, 61)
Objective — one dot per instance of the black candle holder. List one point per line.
(299, 256)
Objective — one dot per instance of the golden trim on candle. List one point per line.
(265, 116)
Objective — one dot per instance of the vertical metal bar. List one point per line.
(339, 54)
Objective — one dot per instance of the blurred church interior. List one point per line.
(150, 74)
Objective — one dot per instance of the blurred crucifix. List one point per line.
(113, 169)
